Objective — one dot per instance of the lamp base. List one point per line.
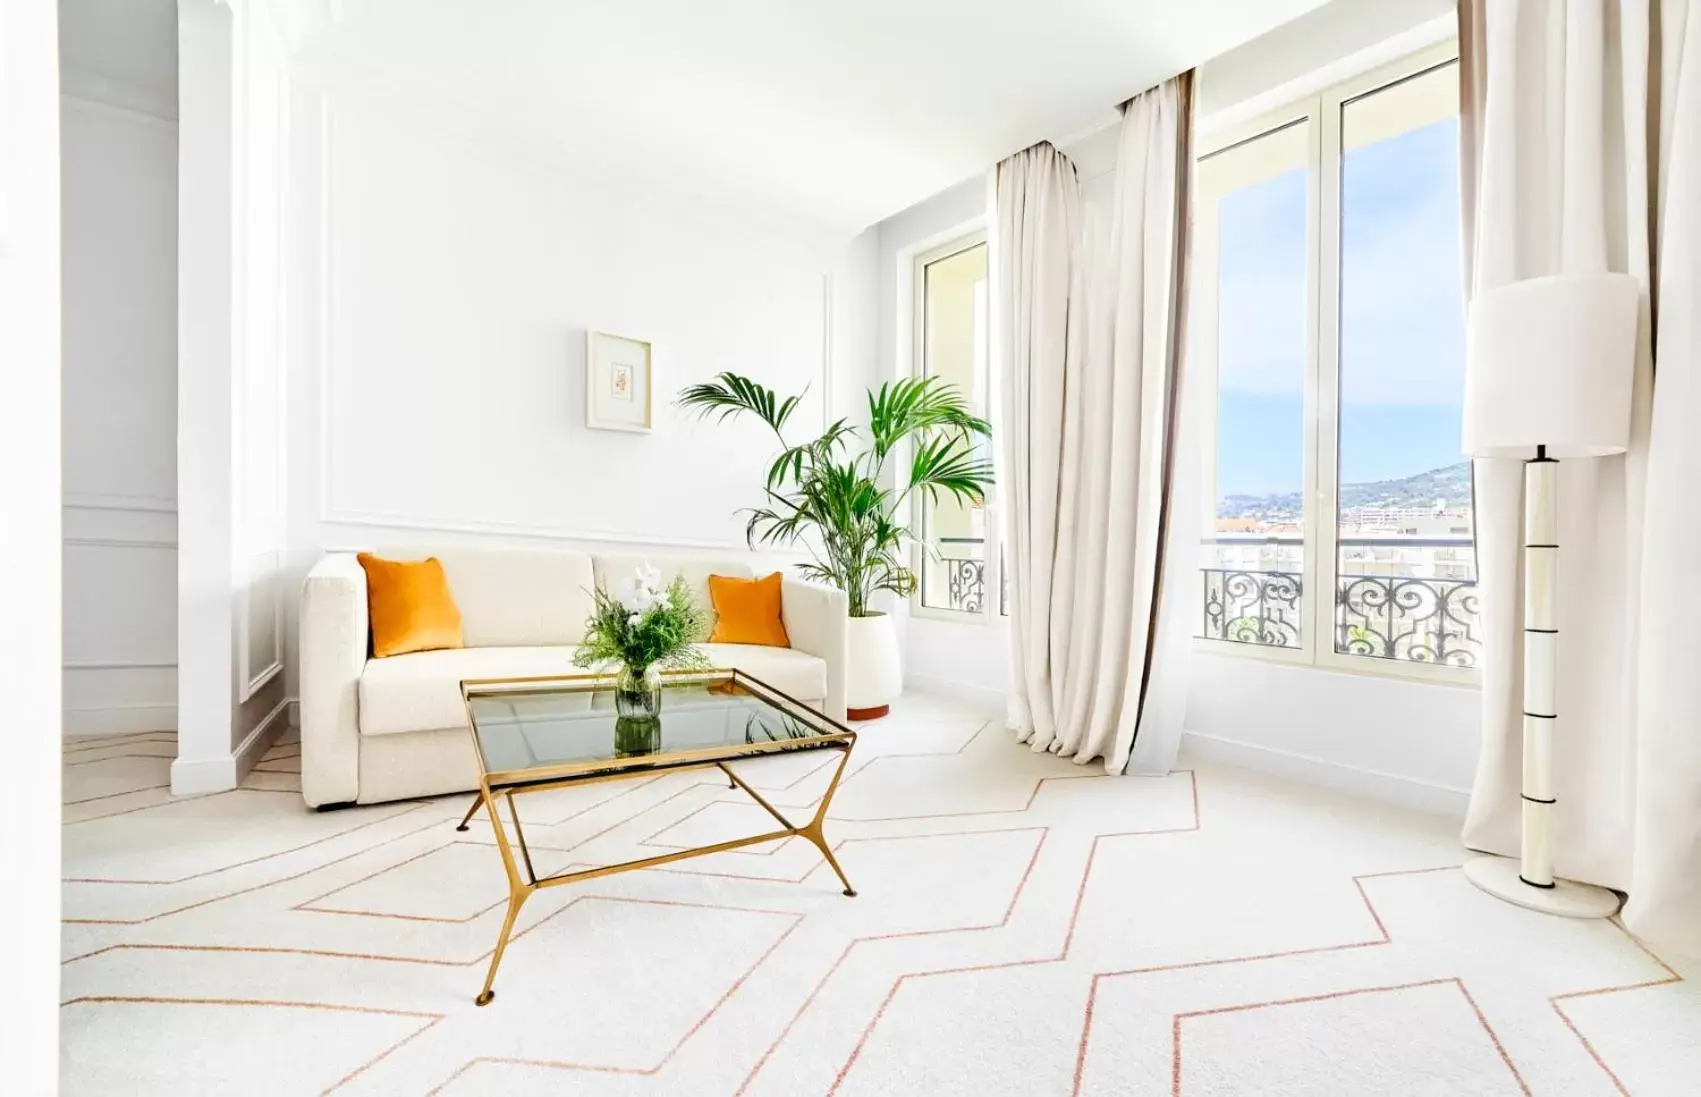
(1499, 877)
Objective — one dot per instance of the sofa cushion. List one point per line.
(748, 611)
(798, 674)
(422, 691)
(520, 597)
(409, 606)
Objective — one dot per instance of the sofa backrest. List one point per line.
(519, 597)
(541, 597)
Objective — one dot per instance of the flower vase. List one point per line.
(638, 692)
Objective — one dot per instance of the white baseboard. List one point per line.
(1387, 787)
(294, 713)
(198, 776)
(260, 740)
(990, 700)
(119, 719)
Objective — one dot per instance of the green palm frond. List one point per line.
(949, 463)
(731, 394)
(916, 405)
(831, 500)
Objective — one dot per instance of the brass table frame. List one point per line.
(505, 784)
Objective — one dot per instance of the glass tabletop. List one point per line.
(535, 729)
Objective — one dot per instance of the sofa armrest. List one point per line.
(333, 638)
(815, 618)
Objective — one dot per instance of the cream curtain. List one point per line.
(1090, 315)
(1582, 152)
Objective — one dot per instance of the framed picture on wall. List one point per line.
(617, 382)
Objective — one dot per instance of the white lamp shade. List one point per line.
(1551, 362)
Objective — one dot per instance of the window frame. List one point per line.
(992, 548)
(1321, 112)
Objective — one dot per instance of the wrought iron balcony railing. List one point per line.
(1408, 618)
(965, 580)
(965, 584)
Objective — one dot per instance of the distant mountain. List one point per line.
(1452, 483)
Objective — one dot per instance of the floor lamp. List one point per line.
(1549, 371)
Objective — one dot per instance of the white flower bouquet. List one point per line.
(645, 627)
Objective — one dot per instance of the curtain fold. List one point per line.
(1091, 307)
(1039, 217)
(1580, 147)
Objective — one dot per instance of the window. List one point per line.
(1328, 325)
(952, 343)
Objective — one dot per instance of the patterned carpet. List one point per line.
(1024, 926)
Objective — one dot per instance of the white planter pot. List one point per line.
(873, 677)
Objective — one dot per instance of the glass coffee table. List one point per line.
(536, 734)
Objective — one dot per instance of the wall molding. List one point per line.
(119, 664)
(119, 542)
(529, 531)
(253, 681)
(1372, 784)
(271, 670)
(826, 349)
(92, 500)
(119, 719)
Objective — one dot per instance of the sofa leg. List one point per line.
(336, 807)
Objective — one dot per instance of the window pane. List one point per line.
(1252, 253)
(954, 304)
(1407, 566)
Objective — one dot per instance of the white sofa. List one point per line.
(389, 729)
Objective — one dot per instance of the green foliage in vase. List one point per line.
(835, 495)
(642, 624)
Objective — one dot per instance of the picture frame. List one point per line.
(617, 382)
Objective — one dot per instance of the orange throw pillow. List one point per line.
(748, 611)
(410, 606)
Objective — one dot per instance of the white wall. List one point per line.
(1410, 740)
(29, 534)
(232, 136)
(446, 390)
(443, 278)
(119, 199)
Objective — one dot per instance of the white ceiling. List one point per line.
(845, 110)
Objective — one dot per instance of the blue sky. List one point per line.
(1402, 328)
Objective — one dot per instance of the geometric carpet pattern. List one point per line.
(1023, 926)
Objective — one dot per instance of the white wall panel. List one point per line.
(261, 654)
(441, 287)
(461, 283)
(118, 188)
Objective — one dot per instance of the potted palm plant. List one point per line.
(844, 494)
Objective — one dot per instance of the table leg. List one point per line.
(516, 900)
(517, 892)
(814, 829)
(478, 802)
